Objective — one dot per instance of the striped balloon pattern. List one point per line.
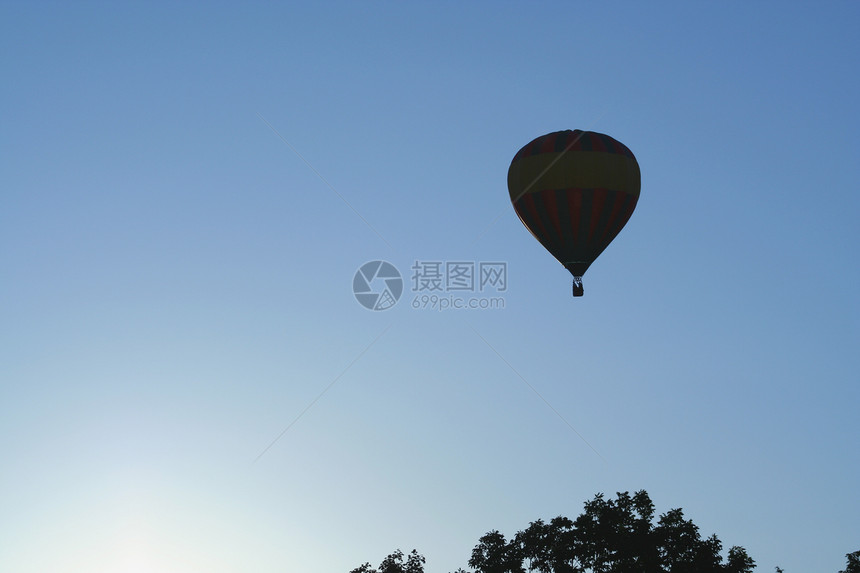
(574, 191)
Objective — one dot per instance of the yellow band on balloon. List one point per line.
(573, 169)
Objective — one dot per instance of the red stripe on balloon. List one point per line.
(547, 144)
(597, 202)
(551, 208)
(529, 203)
(575, 203)
(611, 228)
(597, 143)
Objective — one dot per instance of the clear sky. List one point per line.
(177, 280)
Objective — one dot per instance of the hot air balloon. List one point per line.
(574, 191)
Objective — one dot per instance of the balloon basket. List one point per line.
(577, 286)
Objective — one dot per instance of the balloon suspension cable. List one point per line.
(577, 286)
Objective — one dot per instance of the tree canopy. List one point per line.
(610, 536)
(617, 535)
(853, 563)
(394, 564)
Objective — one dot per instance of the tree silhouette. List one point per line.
(611, 536)
(394, 564)
(853, 563)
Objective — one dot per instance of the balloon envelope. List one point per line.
(575, 191)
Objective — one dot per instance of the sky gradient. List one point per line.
(186, 193)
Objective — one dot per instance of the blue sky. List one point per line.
(177, 281)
